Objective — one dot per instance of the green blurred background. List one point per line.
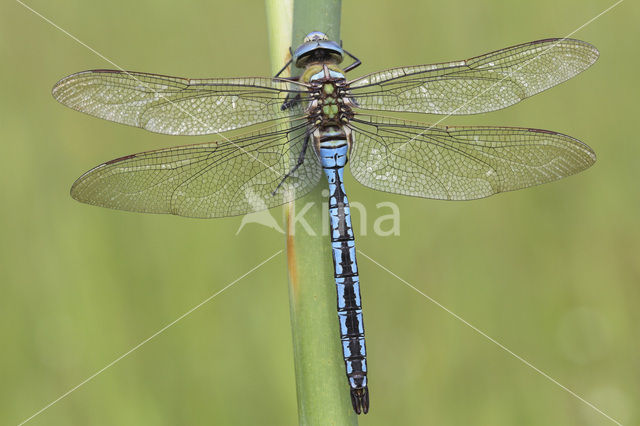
(552, 272)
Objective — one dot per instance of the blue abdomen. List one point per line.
(332, 151)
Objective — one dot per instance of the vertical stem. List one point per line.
(321, 384)
(279, 26)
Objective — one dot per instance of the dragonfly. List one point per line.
(315, 124)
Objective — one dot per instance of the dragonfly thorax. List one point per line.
(330, 105)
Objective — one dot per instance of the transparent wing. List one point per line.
(177, 106)
(485, 83)
(205, 180)
(460, 163)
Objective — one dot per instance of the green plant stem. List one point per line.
(321, 384)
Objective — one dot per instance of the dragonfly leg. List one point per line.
(298, 163)
(285, 67)
(290, 101)
(356, 62)
(282, 70)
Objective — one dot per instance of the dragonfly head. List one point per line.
(317, 48)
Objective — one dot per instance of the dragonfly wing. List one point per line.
(205, 180)
(460, 163)
(174, 105)
(485, 83)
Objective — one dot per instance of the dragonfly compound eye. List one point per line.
(315, 36)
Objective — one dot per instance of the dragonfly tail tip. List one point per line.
(360, 400)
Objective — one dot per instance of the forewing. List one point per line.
(460, 163)
(177, 106)
(485, 83)
(205, 180)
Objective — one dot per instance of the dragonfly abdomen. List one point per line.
(333, 157)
